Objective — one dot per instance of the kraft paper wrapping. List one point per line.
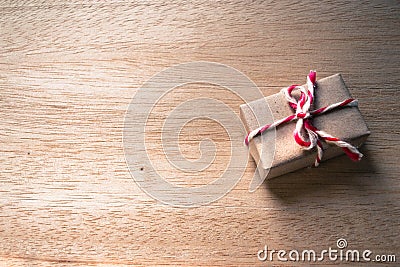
(278, 154)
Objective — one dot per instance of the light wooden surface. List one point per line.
(68, 70)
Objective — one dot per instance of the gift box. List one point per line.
(276, 152)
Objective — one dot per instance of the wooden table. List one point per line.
(68, 71)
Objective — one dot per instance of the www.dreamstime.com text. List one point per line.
(340, 253)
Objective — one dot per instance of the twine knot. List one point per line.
(305, 134)
(303, 115)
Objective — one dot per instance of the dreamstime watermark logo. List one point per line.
(341, 253)
(139, 161)
(341, 243)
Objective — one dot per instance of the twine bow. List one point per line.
(305, 134)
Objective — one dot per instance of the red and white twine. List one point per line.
(305, 134)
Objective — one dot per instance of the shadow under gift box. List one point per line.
(278, 153)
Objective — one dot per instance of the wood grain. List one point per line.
(68, 71)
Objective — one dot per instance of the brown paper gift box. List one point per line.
(278, 154)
